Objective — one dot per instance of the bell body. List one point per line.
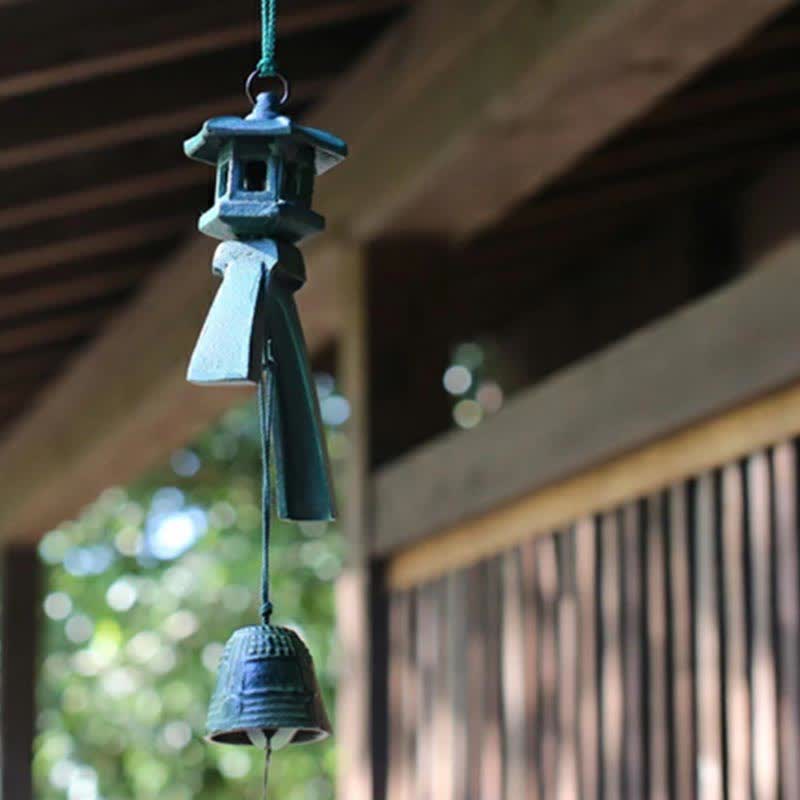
(266, 687)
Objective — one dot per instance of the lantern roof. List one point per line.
(264, 121)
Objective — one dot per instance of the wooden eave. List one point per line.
(460, 118)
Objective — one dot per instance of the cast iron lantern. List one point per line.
(266, 165)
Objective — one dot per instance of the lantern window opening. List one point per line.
(222, 178)
(254, 176)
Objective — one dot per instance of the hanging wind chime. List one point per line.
(267, 693)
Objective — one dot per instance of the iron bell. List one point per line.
(266, 690)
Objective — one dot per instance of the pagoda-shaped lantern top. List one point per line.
(266, 165)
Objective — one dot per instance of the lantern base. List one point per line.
(237, 219)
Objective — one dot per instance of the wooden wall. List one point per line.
(651, 651)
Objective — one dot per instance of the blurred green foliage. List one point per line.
(142, 592)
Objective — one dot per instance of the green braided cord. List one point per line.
(267, 66)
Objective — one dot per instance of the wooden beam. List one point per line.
(721, 351)
(52, 296)
(73, 203)
(183, 121)
(21, 614)
(700, 447)
(180, 48)
(52, 330)
(95, 244)
(32, 367)
(505, 97)
(354, 585)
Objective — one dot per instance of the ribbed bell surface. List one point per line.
(266, 686)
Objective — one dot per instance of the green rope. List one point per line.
(267, 66)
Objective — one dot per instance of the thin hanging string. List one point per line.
(267, 65)
(266, 390)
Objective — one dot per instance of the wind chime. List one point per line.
(267, 693)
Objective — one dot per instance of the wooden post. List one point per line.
(353, 590)
(20, 640)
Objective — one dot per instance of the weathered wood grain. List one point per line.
(657, 644)
(567, 774)
(721, 352)
(612, 702)
(762, 656)
(734, 603)
(531, 627)
(708, 668)
(514, 679)
(682, 688)
(787, 555)
(550, 744)
(588, 692)
(634, 759)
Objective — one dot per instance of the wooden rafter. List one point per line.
(293, 20)
(79, 202)
(104, 243)
(60, 294)
(479, 117)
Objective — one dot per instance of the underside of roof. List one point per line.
(520, 137)
(95, 192)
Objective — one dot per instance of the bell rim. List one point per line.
(315, 735)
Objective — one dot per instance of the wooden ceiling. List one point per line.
(702, 145)
(96, 97)
(511, 121)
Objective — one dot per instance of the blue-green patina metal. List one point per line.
(266, 164)
(266, 684)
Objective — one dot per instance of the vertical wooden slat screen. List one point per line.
(567, 622)
(737, 684)
(709, 765)
(475, 663)
(681, 651)
(588, 706)
(548, 664)
(633, 644)
(762, 661)
(611, 699)
(652, 651)
(426, 670)
(514, 679)
(491, 740)
(656, 650)
(532, 646)
(457, 592)
(788, 590)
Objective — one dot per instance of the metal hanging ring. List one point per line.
(248, 87)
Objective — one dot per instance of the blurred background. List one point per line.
(140, 594)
